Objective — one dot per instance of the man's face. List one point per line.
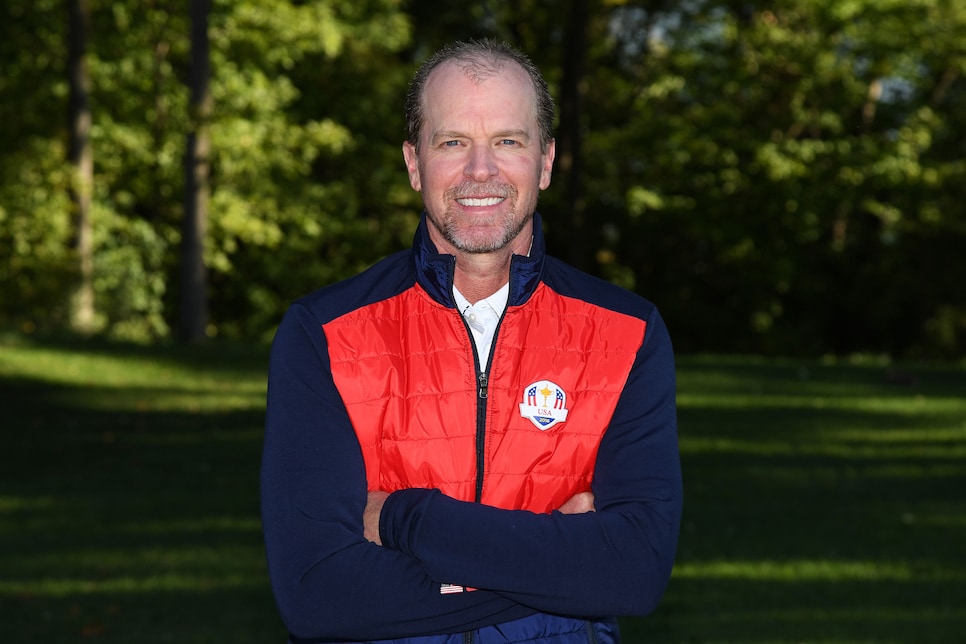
(480, 166)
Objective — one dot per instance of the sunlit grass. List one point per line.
(149, 379)
(129, 496)
(149, 584)
(814, 570)
(823, 501)
(872, 448)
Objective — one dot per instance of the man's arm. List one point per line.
(329, 580)
(577, 504)
(615, 561)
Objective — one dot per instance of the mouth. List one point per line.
(480, 202)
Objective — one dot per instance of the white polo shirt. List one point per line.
(482, 319)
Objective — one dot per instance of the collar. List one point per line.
(497, 301)
(434, 271)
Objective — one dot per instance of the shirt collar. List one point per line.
(497, 301)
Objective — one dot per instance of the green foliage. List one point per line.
(299, 193)
(785, 178)
(129, 276)
(34, 235)
(280, 189)
(777, 164)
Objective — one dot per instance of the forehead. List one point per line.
(456, 96)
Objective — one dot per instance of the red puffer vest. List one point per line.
(523, 436)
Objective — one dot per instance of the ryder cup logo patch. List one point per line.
(545, 404)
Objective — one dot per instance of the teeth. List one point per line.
(489, 201)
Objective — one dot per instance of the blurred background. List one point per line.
(781, 178)
(786, 180)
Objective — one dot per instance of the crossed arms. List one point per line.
(346, 563)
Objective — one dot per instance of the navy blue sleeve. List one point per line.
(330, 583)
(616, 561)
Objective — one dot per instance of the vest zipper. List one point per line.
(481, 392)
(482, 382)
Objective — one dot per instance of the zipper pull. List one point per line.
(483, 383)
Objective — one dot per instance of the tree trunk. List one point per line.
(193, 313)
(81, 162)
(569, 135)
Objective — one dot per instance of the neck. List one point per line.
(480, 276)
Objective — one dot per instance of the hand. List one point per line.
(370, 518)
(579, 503)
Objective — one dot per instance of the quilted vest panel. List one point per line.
(404, 368)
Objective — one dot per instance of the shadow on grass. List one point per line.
(123, 520)
(797, 611)
(822, 504)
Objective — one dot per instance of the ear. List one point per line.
(412, 165)
(546, 160)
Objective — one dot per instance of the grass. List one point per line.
(128, 495)
(824, 502)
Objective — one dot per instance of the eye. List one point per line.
(450, 144)
(509, 142)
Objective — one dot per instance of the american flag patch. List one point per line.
(449, 589)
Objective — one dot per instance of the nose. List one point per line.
(481, 163)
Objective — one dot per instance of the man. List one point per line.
(471, 441)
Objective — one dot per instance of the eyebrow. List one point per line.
(514, 134)
(447, 135)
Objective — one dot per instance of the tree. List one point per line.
(570, 159)
(307, 180)
(780, 178)
(38, 269)
(193, 312)
(81, 161)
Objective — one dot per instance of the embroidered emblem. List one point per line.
(545, 404)
(452, 589)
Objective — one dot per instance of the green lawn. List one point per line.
(823, 503)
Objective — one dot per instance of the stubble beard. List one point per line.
(473, 239)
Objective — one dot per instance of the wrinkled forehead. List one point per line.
(456, 90)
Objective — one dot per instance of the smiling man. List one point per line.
(479, 160)
(471, 441)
